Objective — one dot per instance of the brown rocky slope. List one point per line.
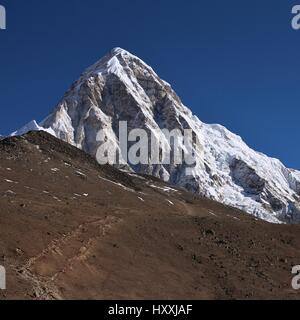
(70, 229)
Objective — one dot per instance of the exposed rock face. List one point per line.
(121, 87)
(247, 177)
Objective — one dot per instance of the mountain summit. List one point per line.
(121, 87)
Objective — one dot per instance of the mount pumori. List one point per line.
(121, 87)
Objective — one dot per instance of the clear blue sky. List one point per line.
(233, 62)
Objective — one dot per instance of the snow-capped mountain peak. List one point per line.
(121, 87)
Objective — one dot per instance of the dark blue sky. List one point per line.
(233, 62)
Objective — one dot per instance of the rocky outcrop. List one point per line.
(247, 177)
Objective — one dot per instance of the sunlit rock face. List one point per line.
(121, 87)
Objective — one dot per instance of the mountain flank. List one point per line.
(72, 229)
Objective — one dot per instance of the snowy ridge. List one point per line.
(31, 126)
(122, 87)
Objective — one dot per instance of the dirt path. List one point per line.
(62, 254)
